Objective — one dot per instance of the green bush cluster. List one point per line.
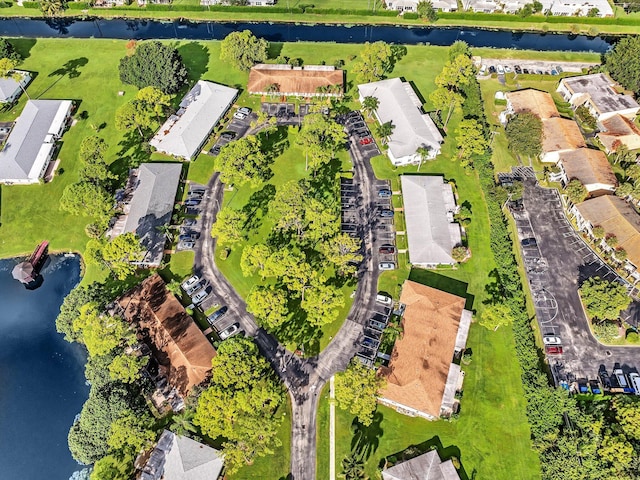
(31, 5)
(79, 5)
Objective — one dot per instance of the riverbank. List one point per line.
(622, 24)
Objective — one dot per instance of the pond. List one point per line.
(42, 384)
(290, 32)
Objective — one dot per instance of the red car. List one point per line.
(553, 349)
(366, 141)
(387, 249)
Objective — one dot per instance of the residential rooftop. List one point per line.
(589, 166)
(427, 466)
(534, 101)
(600, 90)
(307, 81)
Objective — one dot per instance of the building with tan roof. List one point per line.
(534, 101)
(591, 168)
(618, 218)
(598, 93)
(180, 348)
(619, 130)
(290, 81)
(422, 378)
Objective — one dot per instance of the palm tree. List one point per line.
(174, 287)
(384, 130)
(166, 231)
(424, 155)
(353, 468)
(51, 8)
(370, 105)
(183, 423)
(273, 89)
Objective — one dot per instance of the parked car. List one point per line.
(553, 349)
(215, 150)
(554, 72)
(595, 387)
(362, 133)
(217, 315)
(366, 141)
(620, 377)
(228, 135)
(383, 299)
(634, 380)
(358, 125)
(194, 288)
(187, 245)
(483, 70)
(192, 280)
(386, 213)
(559, 69)
(229, 331)
(246, 110)
(529, 242)
(517, 69)
(500, 69)
(189, 222)
(196, 194)
(190, 236)
(507, 69)
(525, 71)
(551, 340)
(240, 115)
(384, 193)
(387, 266)
(192, 202)
(199, 297)
(387, 249)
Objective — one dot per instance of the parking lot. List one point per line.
(190, 228)
(373, 332)
(538, 67)
(557, 261)
(238, 128)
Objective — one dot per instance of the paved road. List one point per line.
(566, 261)
(304, 378)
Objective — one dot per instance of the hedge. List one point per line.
(31, 5)
(79, 5)
(507, 17)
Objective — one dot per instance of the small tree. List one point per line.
(52, 8)
(243, 50)
(459, 253)
(495, 316)
(605, 331)
(370, 105)
(356, 391)
(611, 240)
(576, 191)
(375, 61)
(384, 130)
(426, 11)
(524, 134)
(598, 232)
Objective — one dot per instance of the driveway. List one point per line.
(303, 377)
(556, 267)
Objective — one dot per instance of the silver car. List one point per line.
(387, 266)
(229, 331)
(199, 297)
(190, 282)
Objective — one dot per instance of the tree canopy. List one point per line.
(243, 162)
(240, 403)
(7, 50)
(623, 63)
(576, 191)
(269, 305)
(470, 139)
(243, 50)
(604, 300)
(524, 134)
(426, 11)
(356, 391)
(229, 226)
(321, 137)
(154, 64)
(374, 62)
(495, 316)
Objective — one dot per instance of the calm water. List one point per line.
(42, 385)
(283, 32)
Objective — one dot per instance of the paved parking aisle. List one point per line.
(557, 261)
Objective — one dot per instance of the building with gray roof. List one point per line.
(148, 204)
(399, 104)
(11, 87)
(598, 93)
(185, 132)
(429, 207)
(176, 457)
(427, 466)
(32, 142)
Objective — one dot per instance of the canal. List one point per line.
(285, 32)
(42, 384)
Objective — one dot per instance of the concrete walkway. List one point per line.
(332, 430)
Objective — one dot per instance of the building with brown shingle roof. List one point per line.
(182, 351)
(619, 130)
(529, 100)
(617, 218)
(421, 378)
(286, 80)
(590, 167)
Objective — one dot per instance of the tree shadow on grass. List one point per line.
(274, 50)
(366, 440)
(451, 452)
(196, 58)
(23, 46)
(131, 155)
(70, 69)
(257, 207)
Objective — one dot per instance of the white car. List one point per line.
(229, 331)
(387, 266)
(547, 340)
(383, 299)
(194, 288)
(500, 69)
(483, 70)
(240, 115)
(199, 297)
(245, 110)
(634, 378)
(508, 69)
(190, 282)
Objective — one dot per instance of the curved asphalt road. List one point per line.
(303, 377)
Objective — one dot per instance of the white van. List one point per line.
(634, 378)
(383, 299)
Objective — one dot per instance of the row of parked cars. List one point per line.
(501, 70)
(355, 125)
(196, 288)
(189, 229)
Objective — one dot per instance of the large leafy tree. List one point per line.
(524, 134)
(100, 332)
(8, 51)
(154, 64)
(426, 11)
(119, 254)
(243, 162)
(70, 308)
(94, 166)
(87, 198)
(126, 368)
(471, 140)
(131, 432)
(495, 316)
(344, 252)
(444, 99)
(255, 258)
(374, 62)
(322, 302)
(288, 207)
(229, 226)
(356, 391)
(457, 48)
(269, 305)
(604, 300)
(321, 137)
(576, 191)
(456, 73)
(143, 112)
(628, 416)
(243, 50)
(623, 63)
(240, 403)
(322, 221)
(113, 467)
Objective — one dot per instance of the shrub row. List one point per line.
(31, 4)
(79, 5)
(506, 17)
